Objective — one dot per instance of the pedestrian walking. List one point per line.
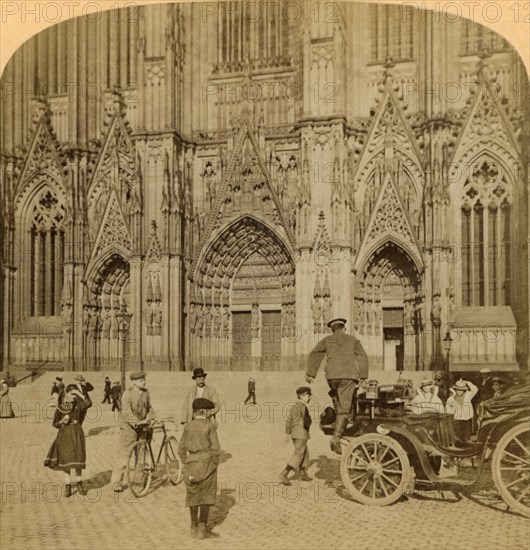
(460, 406)
(251, 391)
(115, 393)
(297, 428)
(68, 452)
(106, 391)
(199, 451)
(199, 390)
(347, 364)
(6, 407)
(57, 387)
(136, 408)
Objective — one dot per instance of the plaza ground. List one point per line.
(253, 510)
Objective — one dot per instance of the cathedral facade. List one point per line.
(209, 184)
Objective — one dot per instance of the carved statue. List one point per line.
(436, 312)
(200, 320)
(254, 321)
(208, 320)
(316, 309)
(216, 321)
(105, 323)
(326, 310)
(157, 319)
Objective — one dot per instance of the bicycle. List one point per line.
(142, 464)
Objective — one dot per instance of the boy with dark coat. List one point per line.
(297, 427)
(199, 451)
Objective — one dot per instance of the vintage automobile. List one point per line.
(391, 450)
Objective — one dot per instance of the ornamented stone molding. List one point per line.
(43, 162)
(113, 235)
(116, 169)
(246, 189)
(389, 221)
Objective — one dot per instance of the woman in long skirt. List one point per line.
(68, 452)
(6, 409)
(199, 450)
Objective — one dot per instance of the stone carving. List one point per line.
(114, 231)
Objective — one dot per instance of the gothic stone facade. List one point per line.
(201, 185)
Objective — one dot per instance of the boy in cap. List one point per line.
(297, 427)
(199, 451)
(106, 391)
(136, 408)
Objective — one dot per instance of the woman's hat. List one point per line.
(202, 403)
(198, 373)
(137, 375)
(497, 379)
(426, 382)
(80, 377)
(460, 385)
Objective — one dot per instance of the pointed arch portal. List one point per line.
(107, 294)
(388, 309)
(242, 298)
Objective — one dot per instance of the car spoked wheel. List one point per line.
(375, 470)
(510, 468)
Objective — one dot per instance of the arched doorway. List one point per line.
(388, 308)
(242, 299)
(107, 297)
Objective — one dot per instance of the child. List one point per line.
(199, 451)
(459, 405)
(297, 427)
(68, 451)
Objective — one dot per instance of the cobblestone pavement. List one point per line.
(253, 510)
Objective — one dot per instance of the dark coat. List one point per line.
(298, 421)
(346, 358)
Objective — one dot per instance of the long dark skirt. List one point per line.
(68, 450)
(201, 493)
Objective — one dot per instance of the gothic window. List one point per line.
(46, 255)
(485, 212)
(392, 34)
(476, 39)
(255, 32)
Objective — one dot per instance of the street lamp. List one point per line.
(447, 341)
(124, 322)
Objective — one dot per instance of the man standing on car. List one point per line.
(347, 364)
(136, 408)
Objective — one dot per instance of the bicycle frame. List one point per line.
(144, 436)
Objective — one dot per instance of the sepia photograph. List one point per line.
(264, 275)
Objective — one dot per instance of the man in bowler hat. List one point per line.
(347, 364)
(199, 390)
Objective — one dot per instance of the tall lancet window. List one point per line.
(392, 33)
(254, 32)
(476, 39)
(46, 255)
(485, 215)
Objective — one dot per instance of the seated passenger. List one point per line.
(460, 406)
(498, 386)
(426, 400)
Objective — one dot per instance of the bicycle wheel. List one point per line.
(173, 462)
(140, 469)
